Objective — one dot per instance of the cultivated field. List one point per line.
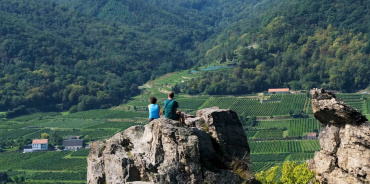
(276, 126)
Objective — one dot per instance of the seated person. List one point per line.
(153, 109)
(170, 109)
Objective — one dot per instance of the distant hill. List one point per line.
(82, 54)
(296, 44)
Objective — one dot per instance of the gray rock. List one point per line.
(344, 139)
(208, 149)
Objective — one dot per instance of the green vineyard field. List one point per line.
(275, 137)
(280, 105)
(59, 176)
(295, 128)
(284, 146)
(222, 102)
(107, 114)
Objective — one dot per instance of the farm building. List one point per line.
(37, 145)
(27, 148)
(73, 144)
(278, 91)
(311, 135)
(69, 137)
(40, 144)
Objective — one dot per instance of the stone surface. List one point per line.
(208, 149)
(344, 139)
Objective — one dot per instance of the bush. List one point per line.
(73, 109)
(291, 173)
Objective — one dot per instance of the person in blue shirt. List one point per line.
(170, 109)
(153, 109)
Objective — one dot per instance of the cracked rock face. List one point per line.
(208, 149)
(344, 139)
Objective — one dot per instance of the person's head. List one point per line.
(171, 94)
(153, 100)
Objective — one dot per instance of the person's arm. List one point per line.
(177, 106)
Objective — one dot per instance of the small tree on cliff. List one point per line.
(290, 174)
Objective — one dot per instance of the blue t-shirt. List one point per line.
(154, 111)
(170, 109)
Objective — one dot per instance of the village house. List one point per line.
(311, 135)
(40, 144)
(278, 91)
(37, 145)
(73, 144)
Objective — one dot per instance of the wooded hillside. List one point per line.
(80, 54)
(296, 44)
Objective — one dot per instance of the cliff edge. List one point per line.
(344, 139)
(211, 148)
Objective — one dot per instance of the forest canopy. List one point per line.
(83, 54)
(295, 44)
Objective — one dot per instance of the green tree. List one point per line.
(4, 177)
(22, 179)
(45, 136)
(55, 139)
(268, 177)
(16, 179)
(223, 59)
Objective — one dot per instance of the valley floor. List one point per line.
(277, 128)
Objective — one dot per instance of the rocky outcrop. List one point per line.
(210, 148)
(344, 139)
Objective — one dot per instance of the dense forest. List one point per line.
(80, 54)
(296, 44)
(85, 54)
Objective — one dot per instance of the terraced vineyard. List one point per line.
(270, 139)
(300, 127)
(222, 102)
(284, 146)
(354, 100)
(288, 103)
(266, 154)
(55, 166)
(252, 106)
(294, 127)
(269, 134)
(367, 106)
(273, 157)
(58, 176)
(107, 114)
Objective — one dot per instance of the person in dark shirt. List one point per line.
(170, 109)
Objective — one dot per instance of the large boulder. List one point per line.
(210, 148)
(344, 139)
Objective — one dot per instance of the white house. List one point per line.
(39, 144)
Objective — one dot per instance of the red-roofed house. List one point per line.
(278, 90)
(311, 135)
(39, 144)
